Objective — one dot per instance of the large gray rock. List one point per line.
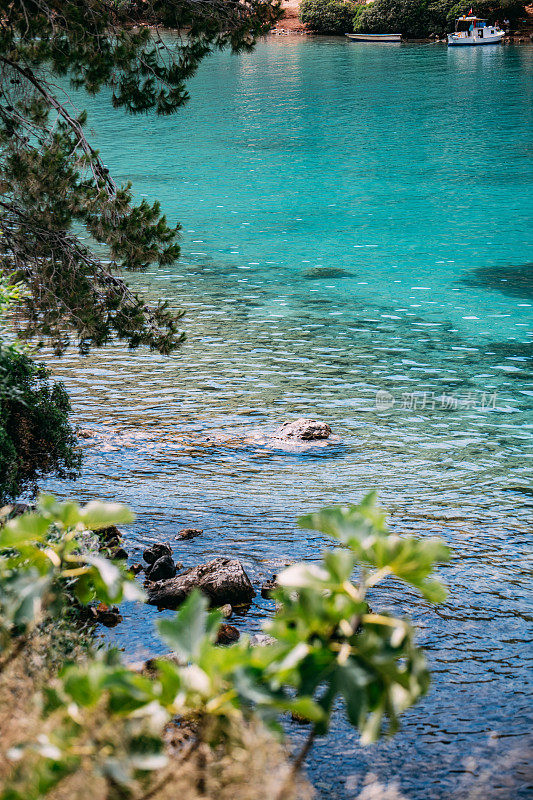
(302, 428)
(222, 580)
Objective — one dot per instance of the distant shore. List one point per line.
(290, 23)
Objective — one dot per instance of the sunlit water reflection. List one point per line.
(388, 164)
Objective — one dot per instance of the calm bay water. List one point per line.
(408, 168)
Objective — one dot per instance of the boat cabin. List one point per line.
(469, 24)
(474, 30)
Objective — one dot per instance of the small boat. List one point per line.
(472, 31)
(375, 37)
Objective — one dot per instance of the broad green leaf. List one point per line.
(96, 515)
(340, 563)
(186, 631)
(24, 529)
(352, 682)
(109, 574)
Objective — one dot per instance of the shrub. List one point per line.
(36, 438)
(329, 17)
(326, 644)
(419, 19)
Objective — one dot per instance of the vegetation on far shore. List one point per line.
(414, 19)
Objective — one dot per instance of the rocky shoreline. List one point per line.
(223, 580)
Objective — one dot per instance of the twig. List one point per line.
(297, 763)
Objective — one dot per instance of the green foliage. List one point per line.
(419, 19)
(328, 16)
(44, 564)
(36, 437)
(327, 644)
(52, 180)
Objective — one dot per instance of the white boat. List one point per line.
(375, 37)
(471, 31)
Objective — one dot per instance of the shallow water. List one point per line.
(408, 168)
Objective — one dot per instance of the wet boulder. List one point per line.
(162, 569)
(222, 580)
(109, 616)
(118, 554)
(268, 586)
(227, 634)
(110, 537)
(226, 610)
(189, 533)
(156, 551)
(304, 429)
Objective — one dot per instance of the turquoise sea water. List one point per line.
(409, 168)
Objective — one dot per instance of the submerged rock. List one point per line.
(156, 551)
(189, 533)
(302, 428)
(162, 569)
(268, 586)
(222, 580)
(315, 273)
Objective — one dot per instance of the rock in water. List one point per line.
(222, 580)
(156, 551)
(316, 273)
(189, 533)
(261, 640)
(268, 586)
(107, 615)
(110, 537)
(227, 634)
(119, 554)
(305, 429)
(226, 610)
(162, 569)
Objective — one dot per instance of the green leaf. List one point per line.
(96, 515)
(352, 681)
(109, 575)
(186, 631)
(340, 563)
(23, 530)
(305, 707)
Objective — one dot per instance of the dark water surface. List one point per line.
(409, 169)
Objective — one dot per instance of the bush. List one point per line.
(419, 19)
(108, 719)
(333, 17)
(36, 437)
